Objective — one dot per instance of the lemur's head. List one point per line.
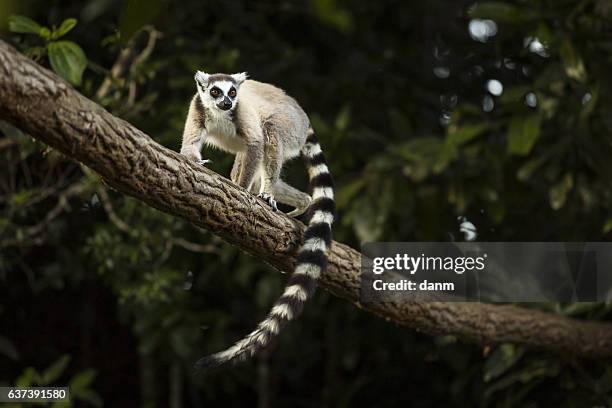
(219, 91)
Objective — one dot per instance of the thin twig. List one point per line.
(193, 247)
(6, 143)
(127, 62)
(154, 35)
(110, 211)
(31, 232)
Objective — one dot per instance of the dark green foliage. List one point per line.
(398, 94)
(66, 58)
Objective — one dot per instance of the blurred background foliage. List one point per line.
(496, 113)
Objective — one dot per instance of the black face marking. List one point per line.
(232, 92)
(215, 92)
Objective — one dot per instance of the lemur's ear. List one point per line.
(240, 77)
(202, 77)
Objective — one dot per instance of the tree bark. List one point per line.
(40, 103)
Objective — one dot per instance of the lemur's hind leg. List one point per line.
(286, 194)
(282, 192)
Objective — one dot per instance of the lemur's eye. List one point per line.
(232, 92)
(215, 92)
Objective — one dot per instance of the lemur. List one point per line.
(264, 127)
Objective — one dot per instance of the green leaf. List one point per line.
(82, 380)
(330, 12)
(425, 155)
(536, 370)
(580, 308)
(420, 149)
(463, 134)
(523, 133)
(501, 12)
(343, 118)
(65, 27)
(68, 60)
(572, 62)
(23, 24)
(607, 226)
(526, 170)
(55, 370)
(29, 377)
(544, 34)
(501, 360)
(45, 33)
(448, 153)
(559, 192)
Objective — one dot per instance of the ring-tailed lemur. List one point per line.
(264, 127)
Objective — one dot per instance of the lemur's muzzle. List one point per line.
(225, 104)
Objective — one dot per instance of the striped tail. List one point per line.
(311, 262)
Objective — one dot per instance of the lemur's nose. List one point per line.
(225, 104)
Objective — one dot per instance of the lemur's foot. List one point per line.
(269, 199)
(204, 161)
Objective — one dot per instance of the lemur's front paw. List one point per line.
(204, 161)
(269, 199)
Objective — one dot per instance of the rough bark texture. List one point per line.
(37, 101)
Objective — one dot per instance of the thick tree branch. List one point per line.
(37, 101)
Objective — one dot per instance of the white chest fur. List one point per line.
(221, 133)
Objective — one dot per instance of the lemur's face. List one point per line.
(219, 91)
